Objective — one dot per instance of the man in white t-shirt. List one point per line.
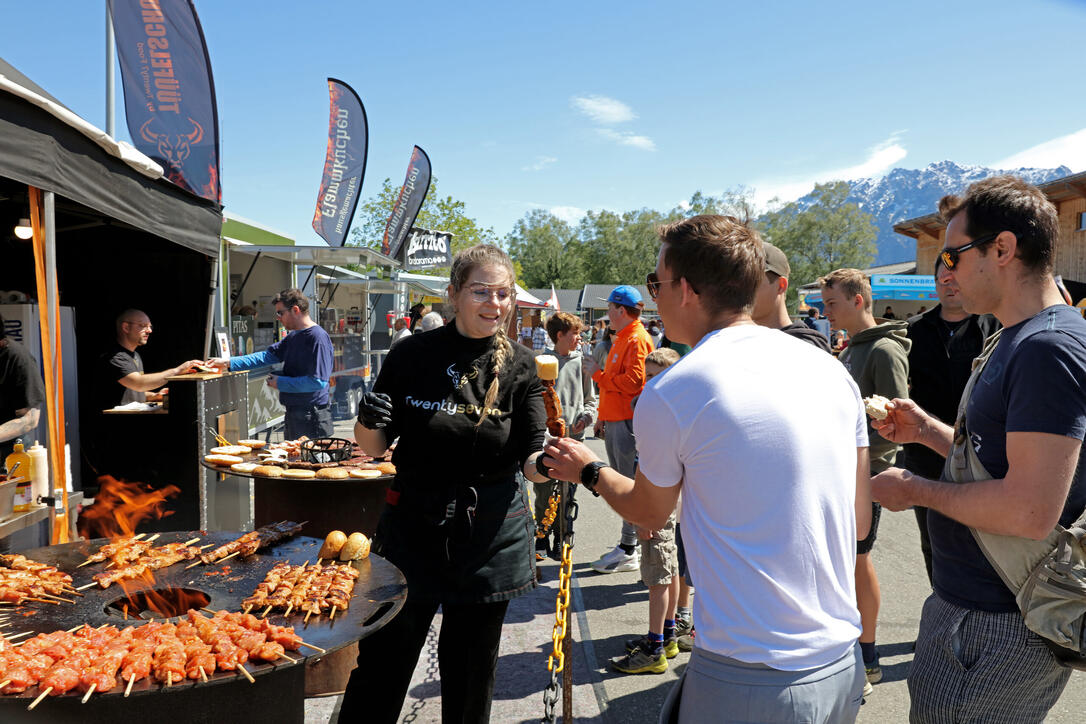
(771, 513)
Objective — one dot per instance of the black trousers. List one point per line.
(925, 539)
(312, 421)
(467, 652)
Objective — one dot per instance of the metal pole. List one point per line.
(111, 60)
(211, 309)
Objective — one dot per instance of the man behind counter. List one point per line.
(21, 393)
(306, 354)
(122, 365)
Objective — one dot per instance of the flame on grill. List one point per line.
(121, 506)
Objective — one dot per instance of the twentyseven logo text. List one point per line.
(452, 408)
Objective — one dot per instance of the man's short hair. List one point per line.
(292, 297)
(634, 312)
(562, 322)
(663, 357)
(1008, 203)
(812, 312)
(849, 282)
(719, 256)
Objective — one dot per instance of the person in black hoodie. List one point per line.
(770, 309)
(468, 410)
(945, 339)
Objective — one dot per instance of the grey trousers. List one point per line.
(621, 449)
(716, 689)
(973, 666)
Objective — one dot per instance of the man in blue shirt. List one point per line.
(1025, 418)
(306, 354)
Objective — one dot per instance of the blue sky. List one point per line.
(587, 105)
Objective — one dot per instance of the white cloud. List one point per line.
(602, 109)
(880, 159)
(541, 162)
(569, 214)
(1069, 150)
(627, 138)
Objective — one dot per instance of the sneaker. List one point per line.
(671, 646)
(868, 689)
(640, 662)
(683, 626)
(874, 672)
(617, 561)
(686, 643)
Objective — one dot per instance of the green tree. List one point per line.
(437, 213)
(620, 248)
(547, 251)
(830, 234)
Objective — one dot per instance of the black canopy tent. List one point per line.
(124, 235)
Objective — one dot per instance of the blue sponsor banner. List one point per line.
(344, 163)
(169, 94)
(893, 286)
(409, 202)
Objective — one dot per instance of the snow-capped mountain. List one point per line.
(908, 193)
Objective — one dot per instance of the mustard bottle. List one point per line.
(21, 475)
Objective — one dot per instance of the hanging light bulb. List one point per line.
(23, 229)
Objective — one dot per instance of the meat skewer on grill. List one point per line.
(546, 368)
(152, 560)
(250, 543)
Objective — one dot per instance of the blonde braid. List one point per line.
(502, 352)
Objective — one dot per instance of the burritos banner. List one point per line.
(427, 249)
(169, 95)
(408, 204)
(344, 163)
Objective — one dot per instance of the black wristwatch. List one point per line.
(590, 475)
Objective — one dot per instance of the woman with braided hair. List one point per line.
(468, 410)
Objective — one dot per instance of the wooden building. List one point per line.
(1069, 196)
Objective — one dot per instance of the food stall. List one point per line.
(112, 226)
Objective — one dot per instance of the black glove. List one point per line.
(375, 410)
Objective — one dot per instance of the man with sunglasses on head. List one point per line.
(771, 513)
(1013, 468)
(620, 381)
(306, 354)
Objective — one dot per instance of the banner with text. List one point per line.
(408, 204)
(169, 94)
(344, 163)
(427, 249)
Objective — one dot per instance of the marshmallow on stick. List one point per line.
(546, 367)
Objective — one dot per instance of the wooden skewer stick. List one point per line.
(190, 542)
(203, 674)
(265, 614)
(128, 689)
(73, 630)
(333, 614)
(89, 692)
(311, 646)
(58, 598)
(169, 679)
(247, 610)
(4, 683)
(15, 636)
(137, 537)
(86, 586)
(226, 558)
(193, 565)
(207, 546)
(284, 656)
(154, 537)
(86, 563)
(246, 674)
(42, 600)
(72, 592)
(307, 615)
(289, 609)
(38, 700)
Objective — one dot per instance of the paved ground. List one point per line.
(610, 608)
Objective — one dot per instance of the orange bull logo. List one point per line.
(174, 147)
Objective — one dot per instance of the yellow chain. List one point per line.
(561, 615)
(549, 516)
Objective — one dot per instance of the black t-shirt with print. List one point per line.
(435, 416)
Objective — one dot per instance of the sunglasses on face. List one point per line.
(949, 257)
(653, 282)
(481, 293)
(281, 312)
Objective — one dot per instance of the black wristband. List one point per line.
(541, 468)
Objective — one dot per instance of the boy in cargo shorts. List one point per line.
(660, 572)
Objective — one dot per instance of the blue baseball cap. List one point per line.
(625, 295)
